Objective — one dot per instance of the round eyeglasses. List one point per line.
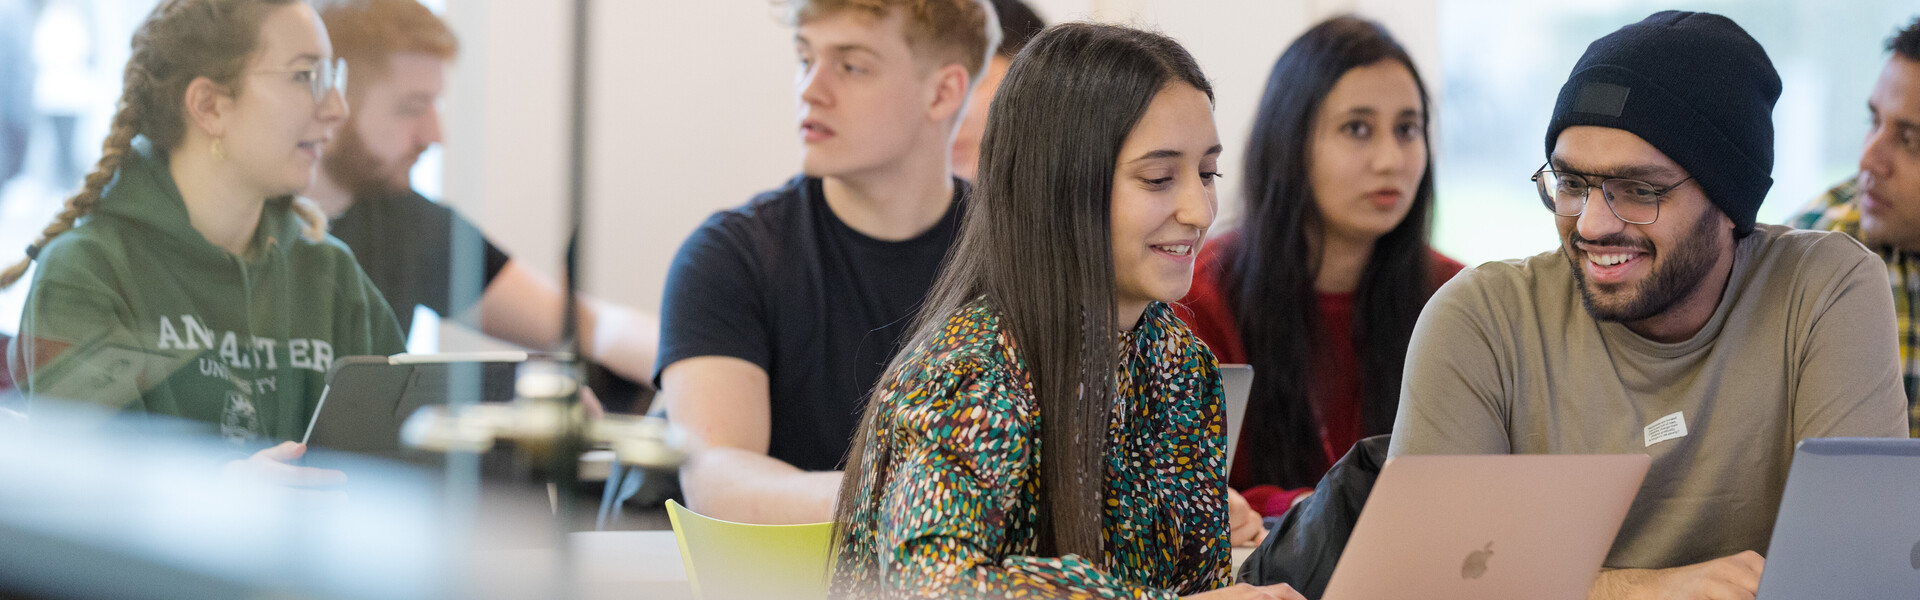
(320, 78)
(1631, 200)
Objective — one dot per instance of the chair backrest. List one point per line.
(727, 560)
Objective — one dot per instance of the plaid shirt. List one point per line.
(1837, 211)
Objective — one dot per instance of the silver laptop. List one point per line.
(1849, 524)
(1238, 382)
(1531, 526)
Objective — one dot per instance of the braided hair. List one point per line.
(182, 40)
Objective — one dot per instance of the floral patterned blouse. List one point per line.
(952, 474)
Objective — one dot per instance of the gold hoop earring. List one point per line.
(219, 153)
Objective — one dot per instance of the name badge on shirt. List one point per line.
(1666, 428)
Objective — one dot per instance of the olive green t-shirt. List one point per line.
(1506, 360)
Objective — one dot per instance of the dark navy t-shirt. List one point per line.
(783, 283)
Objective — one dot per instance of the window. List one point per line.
(1504, 61)
(62, 60)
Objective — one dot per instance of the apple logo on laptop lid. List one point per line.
(1916, 556)
(1476, 563)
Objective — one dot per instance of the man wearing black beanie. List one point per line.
(1668, 322)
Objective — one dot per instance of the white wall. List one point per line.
(692, 110)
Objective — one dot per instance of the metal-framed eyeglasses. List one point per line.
(321, 78)
(1631, 200)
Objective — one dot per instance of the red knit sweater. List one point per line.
(1336, 382)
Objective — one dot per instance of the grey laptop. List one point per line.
(368, 397)
(1238, 381)
(1849, 524)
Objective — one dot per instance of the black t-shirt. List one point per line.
(783, 283)
(409, 245)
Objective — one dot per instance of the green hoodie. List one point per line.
(135, 310)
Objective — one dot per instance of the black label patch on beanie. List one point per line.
(1602, 99)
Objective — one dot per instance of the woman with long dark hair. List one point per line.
(1320, 286)
(1051, 428)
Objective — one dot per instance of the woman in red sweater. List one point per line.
(1320, 286)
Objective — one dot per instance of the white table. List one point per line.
(607, 565)
(610, 565)
(630, 564)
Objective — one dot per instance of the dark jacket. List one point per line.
(1303, 549)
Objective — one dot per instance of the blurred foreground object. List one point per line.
(140, 510)
(544, 415)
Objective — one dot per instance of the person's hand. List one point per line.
(1241, 591)
(270, 466)
(1245, 528)
(1734, 577)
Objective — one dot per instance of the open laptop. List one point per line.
(1849, 524)
(1238, 383)
(1534, 526)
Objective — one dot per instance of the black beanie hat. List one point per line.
(1695, 86)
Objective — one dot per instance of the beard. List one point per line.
(351, 165)
(1672, 280)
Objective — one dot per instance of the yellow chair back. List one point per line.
(727, 560)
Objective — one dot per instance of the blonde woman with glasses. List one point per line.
(186, 277)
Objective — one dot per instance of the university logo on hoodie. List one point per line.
(251, 366)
